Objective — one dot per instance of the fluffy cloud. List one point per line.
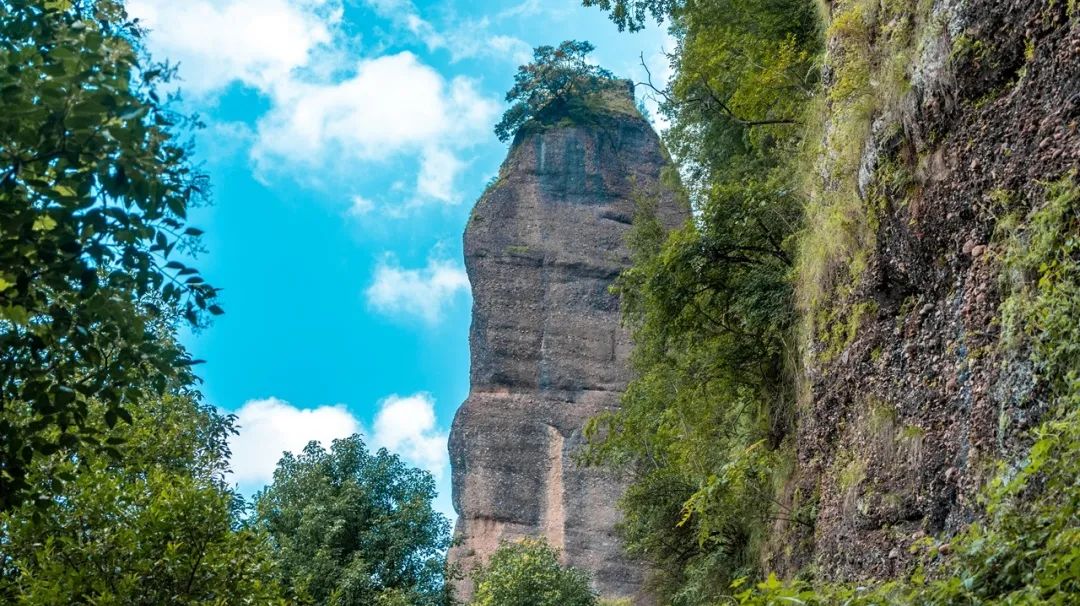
(438, 170)
(360, 206)
(406, 425)
(391, 105)
(271, 426)
(508, 46)
(259, 43)
(422, 293)
(326, 110)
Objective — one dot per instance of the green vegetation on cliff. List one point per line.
(1026, 547)
(766, 278)
(559, 84)
(787, 125)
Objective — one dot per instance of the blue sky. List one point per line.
(346, 141)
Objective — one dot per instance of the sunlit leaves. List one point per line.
(556, 75)
(150, 523)
(528, 573)
(95, 185)
(352, 527)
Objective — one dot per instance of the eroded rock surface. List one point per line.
(542, 247)
(902, 420)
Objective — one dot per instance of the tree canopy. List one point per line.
(633, 15)
(555, 76)
(528, 573)
(354, 528)
(95, 186)
(704, 422)
(155, 525)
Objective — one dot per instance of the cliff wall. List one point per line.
(542, 247)
(911, 387)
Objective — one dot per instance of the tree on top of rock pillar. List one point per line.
(556, 75)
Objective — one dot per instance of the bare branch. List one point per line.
(731, 114)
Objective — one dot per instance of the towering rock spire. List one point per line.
(542, 247)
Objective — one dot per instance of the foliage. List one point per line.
(354, 528)
(555, 78)
(711, 308)
(155, 525)
(633, 15)
(528, 573)
(873, 46)
(705, 420)
(94, 190)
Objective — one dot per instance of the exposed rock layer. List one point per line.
(542, 247)
(900, 425)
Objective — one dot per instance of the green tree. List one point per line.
(704, 424)
(528, 573)
(633, 15)
(556, 77)
(355, 528)
(156, 525)
(95, 184)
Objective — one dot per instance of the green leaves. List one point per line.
(528, 573)
(704, 422)
(44, 223)
(1024, 548)
(113, 414)
(94, 190)
(145, 519)
(57, 5)
(355, 528)
(555, 77)
(633, 15)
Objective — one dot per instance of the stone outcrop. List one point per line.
(542, 247)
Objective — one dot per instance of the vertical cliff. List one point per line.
(952, 118)
(542, 247)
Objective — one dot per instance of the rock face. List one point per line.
(542, 247)
(900, 423)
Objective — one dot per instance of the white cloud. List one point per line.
(271, 426)
(392, 105)
(360, 206)
(438, 169)
(325, 109)
(259, 43)
(463, 39)
(528, 8)
(508, 46)
(406, 425)
(422, 293)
